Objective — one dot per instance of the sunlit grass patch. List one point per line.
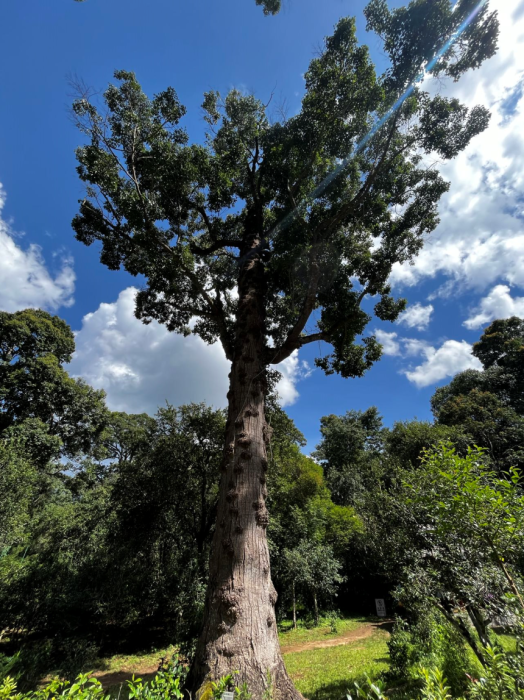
(133, 663)
(326, 674)
(302, 635)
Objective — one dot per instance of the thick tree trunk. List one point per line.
(240, 632)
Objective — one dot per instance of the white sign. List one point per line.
(228, 695)
(381, 607)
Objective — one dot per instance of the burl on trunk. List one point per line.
(240, 633)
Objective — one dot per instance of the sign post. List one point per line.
(381, 607)
(228, 695)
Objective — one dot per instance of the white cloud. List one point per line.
(141, 367)
(480, 240)
(416, 316)
(413, 347)
(293, 370)
(452, 357)
(389, 342)
(498, 304)
(26, 281)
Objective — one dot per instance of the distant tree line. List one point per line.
(106, 518)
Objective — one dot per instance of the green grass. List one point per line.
(320, 674)
(507, 641)
(131, 663)
(326, 674)
(303, 634)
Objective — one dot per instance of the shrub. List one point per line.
(333, 619)
(371, 690)
(166, 684)
(401, 649)
(429, 642)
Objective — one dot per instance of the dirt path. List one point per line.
(110, 679)
(366, 630)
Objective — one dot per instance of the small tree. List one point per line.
(295, 571)
(313, 568)
(246, 237)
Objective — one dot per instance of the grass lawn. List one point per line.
(133, 663)
(302, 635)
(326, 674)
(320, 674)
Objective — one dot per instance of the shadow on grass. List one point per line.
(332, 691)
(340, 690)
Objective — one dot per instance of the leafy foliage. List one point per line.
(176, 212)
(349, 451)
(66, 413)
(488, 405)
(167, 683)
(18, 479)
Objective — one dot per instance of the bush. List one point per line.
(84, 688)
(402, 651)
(430, 642)
(166, 684)
(333, 620)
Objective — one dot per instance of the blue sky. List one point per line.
(471, 270)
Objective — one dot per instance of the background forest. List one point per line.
(106, 518)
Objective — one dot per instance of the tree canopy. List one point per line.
(65, 413)
(489, 405)
(179, 213)
(349, 449)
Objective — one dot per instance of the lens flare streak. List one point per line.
(318, 191)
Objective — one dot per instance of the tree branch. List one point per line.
(462, 629)
(215, 306)
(290, 345)
(217, 245)
(293, 341)
(353, 203)
(203, 213)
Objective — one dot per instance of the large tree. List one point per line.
(39, 402)
(350, 447)
(268, 226)
(489, 404)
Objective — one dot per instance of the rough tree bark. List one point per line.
(240, 632)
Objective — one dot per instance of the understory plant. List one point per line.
(167, 683)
